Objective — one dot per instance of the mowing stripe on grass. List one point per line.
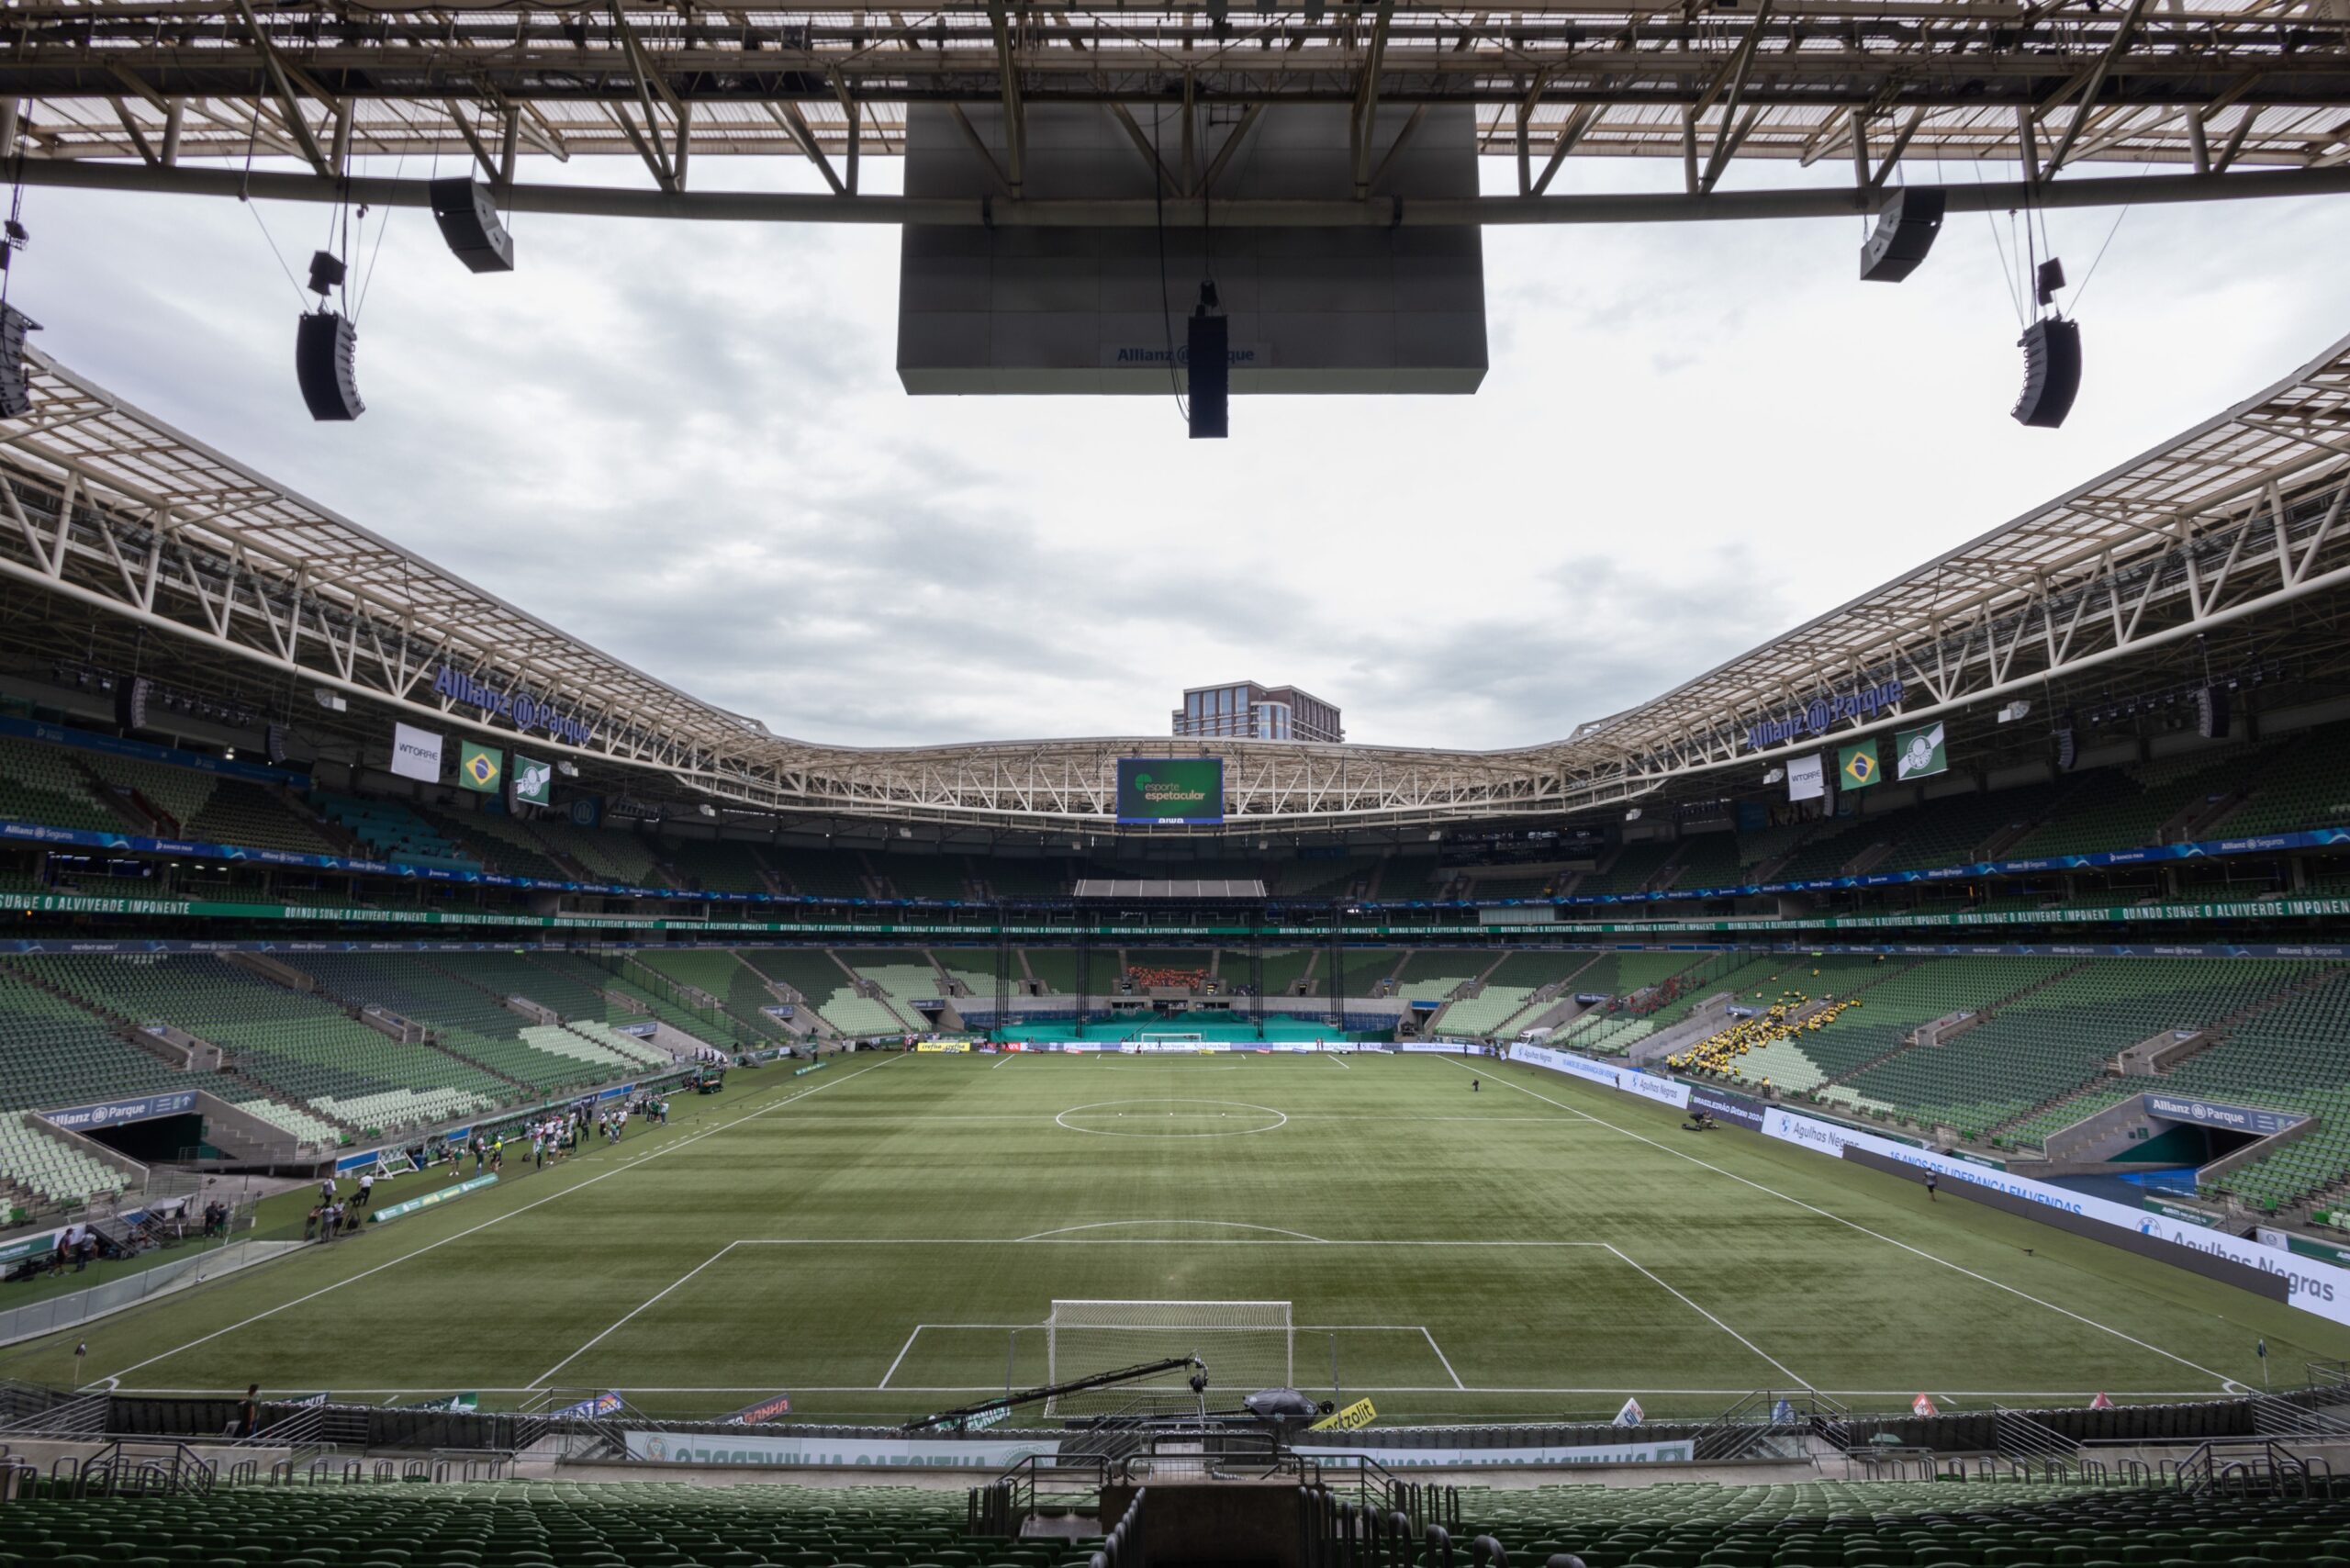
(577, 1187)
(2226, 1383)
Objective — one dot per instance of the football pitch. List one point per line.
(883, 1239)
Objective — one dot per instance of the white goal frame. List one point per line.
(1254, 1340)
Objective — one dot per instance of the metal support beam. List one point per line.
(2095, 84)
(1364, 118)
(1015, 112)
(289, 102)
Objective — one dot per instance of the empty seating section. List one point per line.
(388, 829)
(54, 1054)
(1007, 877)
(1433, 974)
(822, 873)
(598, 1057)
(546, 979)
(1826, 848)
(1366, 968)
(619, 990)
(2077, 1106)
(829, 989)
(1958, 829)
(716, 864)
(903, 977)
(178, 793)
(299, 1045)
(716, 972)
(37, 1159)
(975, 966)
(2290, 1057)
(501, 843)
(254, 816)
(1707, 860)
(1057, 967)
(1895, 1002)
(1832, 1524)
(924, 876)
(1283, 967)
(2048, 1042)
(2307, 785)
(468, 1022)
(1509, 991)
(1611, 1028)
(615, 855)
(304, 1127)
(2131, 805)
(516, 1525)
(1504, 885)
(1767, 847)
(1628, 870)
(1326, 878)
(40, 784)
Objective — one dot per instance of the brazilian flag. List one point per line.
(1856, 766)
(480, 768)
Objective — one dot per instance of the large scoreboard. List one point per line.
(1185, 791)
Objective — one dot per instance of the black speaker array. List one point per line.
(131, 702)
(2212, 712)
(15, 396)
(469, 223)
(1210, 357)
(1906, 227)
(2052, 372)
(323, 348)
(277, 738)
(2067, 753)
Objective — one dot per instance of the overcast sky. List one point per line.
(687, 445)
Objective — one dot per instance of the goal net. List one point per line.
(1168, 1038)
(1247, 1346)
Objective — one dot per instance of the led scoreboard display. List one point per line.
(1181, 790)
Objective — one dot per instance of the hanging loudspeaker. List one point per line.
(1209, 357)
(131, 702)
(469, 223)
(323, 347)
(2067, 752)
(1906, 227)
(16, 397)
(2052, 372)
(2211, 713)
(276, 741)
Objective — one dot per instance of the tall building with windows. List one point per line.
(1245, 711)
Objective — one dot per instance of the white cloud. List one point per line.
(686, 444)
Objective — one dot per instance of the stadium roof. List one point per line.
(161, 87)
(2241, 516)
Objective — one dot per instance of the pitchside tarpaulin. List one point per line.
(2316, 1287)
(1374, 307)
(748, 1448)
(1604, 1453)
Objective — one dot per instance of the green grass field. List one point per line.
(878, 1239)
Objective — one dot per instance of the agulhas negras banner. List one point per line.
(760, 1447)
(2315, 1287)
(1671, 1452)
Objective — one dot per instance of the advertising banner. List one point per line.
(1353, 1418)
(1604, 1453)
(2314, 1287)
(2211, 1113)
(114, 1112)
(1724, 1106)
(1807, 780)
(415, 754)
(1625, 1080)
(766, 1409)
(430, 1199)
(758, 1448)
(1188, 790)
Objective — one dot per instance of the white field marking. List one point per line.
(901, 1356)
(1229, 1132)
(1338, 1057)
(1050, 1240)
(632, 1311)
(1864, 1231)
(1712, 1319)
(625, 1166)
(1445, 1359)
(1374, 1388)
(1224, 1224)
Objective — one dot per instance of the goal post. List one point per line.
(1246, 1345)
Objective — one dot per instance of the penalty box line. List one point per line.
(903, 1350)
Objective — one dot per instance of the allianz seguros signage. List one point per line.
(527, 711)
(1823, 714)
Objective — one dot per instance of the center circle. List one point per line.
(1171, 1119)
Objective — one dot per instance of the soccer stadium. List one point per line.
(471, 1102)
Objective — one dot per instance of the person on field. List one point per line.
(1933, 1184)
(367, 1190)
(326, 1191)
(1476, 1086)
(249, 1412)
